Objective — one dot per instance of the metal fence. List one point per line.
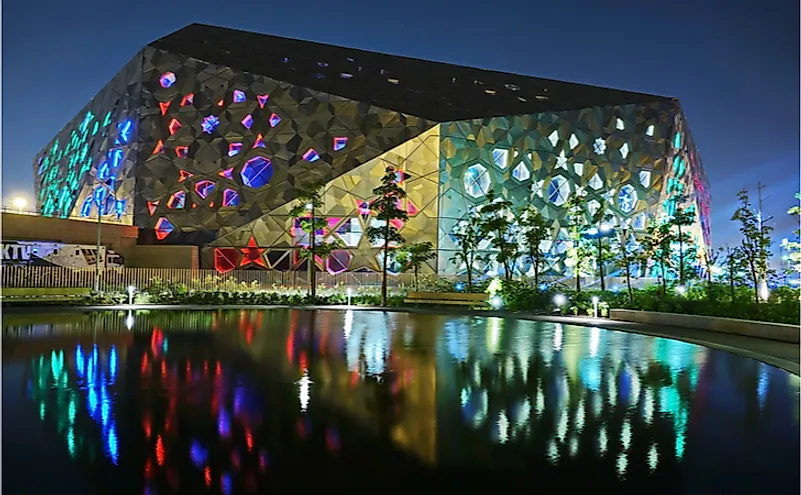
(120, 278)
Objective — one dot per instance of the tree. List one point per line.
(794, 247)
(579, 253)
(658, 240)
(386, 208)
(309, 201)
(756, 243)
(625, 259)
(412, 257)
(732, 258)
(600, 221)
(467, 237)
(711, 258)
(534, 229)
(682, 219)
(496, 225)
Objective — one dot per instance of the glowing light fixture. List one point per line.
(20, 204)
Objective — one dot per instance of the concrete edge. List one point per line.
(652, 330)
(780, 332)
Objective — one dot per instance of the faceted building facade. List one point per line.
(205, 135)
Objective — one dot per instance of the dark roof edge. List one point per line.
(415, 59)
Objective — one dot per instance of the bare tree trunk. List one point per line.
(601, 263)
(416, 285)
(681, 257)
(628, 279)
(384, 270)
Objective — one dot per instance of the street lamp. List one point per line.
(598, 234)
(20, 204)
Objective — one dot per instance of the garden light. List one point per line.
(349, 294)
(131, 290)
(496, 302)
(559, 300)
(595, 302)
(459, 286)
(681, 290)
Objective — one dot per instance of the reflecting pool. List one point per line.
(272, 401)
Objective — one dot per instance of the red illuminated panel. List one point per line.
(164, 106)
(174, 126)
(188, 100)
(259, 142)
(151, 206)
(183, 175)
(159, 147)
(225, 259)
(252, 254)
(182, 151)
(163, 228)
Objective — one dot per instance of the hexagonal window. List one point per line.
(627, 198)
(204, 187)
(393, 267)
(163, 228)
(521, 172)
(599, 146)
(476, 180)
(257, 172)
(558, 190)
(338, 261)
(500, 157)
(350, 232)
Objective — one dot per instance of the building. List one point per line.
(204, 135)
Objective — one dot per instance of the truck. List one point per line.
(40, 253)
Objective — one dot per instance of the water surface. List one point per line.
(250, 401)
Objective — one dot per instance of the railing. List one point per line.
(120, 278)
(126, 219)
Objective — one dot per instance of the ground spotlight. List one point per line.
(559, 300)
(681, 290)
(459, 286)
(496, 302)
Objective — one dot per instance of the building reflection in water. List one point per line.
(211, 389)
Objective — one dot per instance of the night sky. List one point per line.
(735, 69)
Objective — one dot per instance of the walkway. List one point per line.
(779, 354)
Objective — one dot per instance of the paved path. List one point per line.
(780, 354)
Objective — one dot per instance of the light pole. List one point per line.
(598, 234)
(19, 204)
(100, 207)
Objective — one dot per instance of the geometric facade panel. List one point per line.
(204, 136)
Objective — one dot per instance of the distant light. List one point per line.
(543, 287)
(716, 270)
(595, 300)
(459, 286)
(681, 290)
(763, 291)
(559, 300)
(20, 203)
(496, 302)
(615, 288)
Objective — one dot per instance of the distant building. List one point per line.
(204, 135)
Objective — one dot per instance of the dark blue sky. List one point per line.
(734, 65)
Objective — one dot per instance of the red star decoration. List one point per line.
(252, 254)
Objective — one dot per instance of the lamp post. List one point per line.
(598, 234)
(100, 207)
(19, 204)
(595, 302)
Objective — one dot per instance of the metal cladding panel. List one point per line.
(434, 90)
(227, 147)
(90, 164)
(623, 155)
